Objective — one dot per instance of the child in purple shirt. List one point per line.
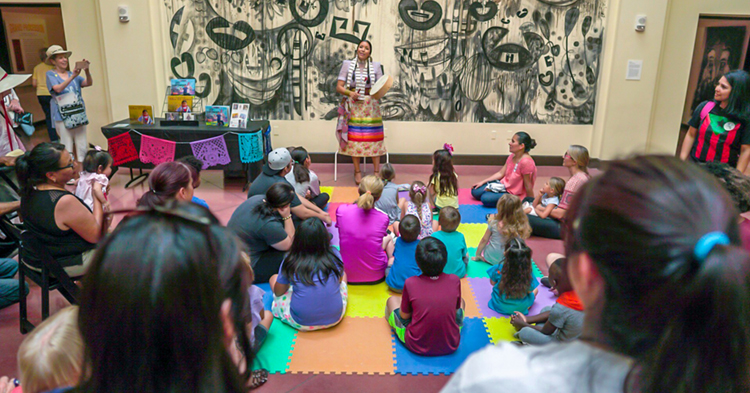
(429, 316)
(310, 291)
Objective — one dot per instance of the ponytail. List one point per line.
(164, 182)
(301, 173)
(711, 321)
(418, 195)
(278, 195)
(32, 167)
(369, 192)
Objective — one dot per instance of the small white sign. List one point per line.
(634, 70)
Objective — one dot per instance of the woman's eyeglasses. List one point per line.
(71, 165)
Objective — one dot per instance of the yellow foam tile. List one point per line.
(368, 300)
(472, 233)
(327, 190)
(500, 329)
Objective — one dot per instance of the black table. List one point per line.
(191, 134)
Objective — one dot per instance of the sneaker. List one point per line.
(545, 282)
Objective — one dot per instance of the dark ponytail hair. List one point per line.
(96, 158)
(278, 195)
(164, 182)
(32, 167)
(526, 140)
(738, 104)
(311, 255)
(301, 173)
(685, 319)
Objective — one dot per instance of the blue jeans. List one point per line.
(488, 198)
(545, 227)
(8, 284)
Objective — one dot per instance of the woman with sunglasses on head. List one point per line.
(165, 304)
(54, 215)
(654, 255)
(576, 159)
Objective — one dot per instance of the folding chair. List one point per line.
(51, 277)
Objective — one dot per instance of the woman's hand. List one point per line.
(15, 106)
(475, 185)
(285, 211)
(354, 95)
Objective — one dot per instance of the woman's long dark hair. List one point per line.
(164, 182)
(32, 167)
(301, 173)
(443, 167)
(278, 195)
(311, 255)
(151, 303)
(516, 272)
(738, 104)
(685, 320)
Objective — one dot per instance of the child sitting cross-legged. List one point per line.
(455, 243)
(404, 262)
(559, 323)
(513, 284)
(310, 291)
(429, 315)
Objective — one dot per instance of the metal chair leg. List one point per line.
(45, 293)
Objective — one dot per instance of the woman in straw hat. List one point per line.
(61, 83)
(9, 141)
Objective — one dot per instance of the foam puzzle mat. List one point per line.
(363, 343)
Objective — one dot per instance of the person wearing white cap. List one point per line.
(278, 164)
(9, 141)
(67, 107)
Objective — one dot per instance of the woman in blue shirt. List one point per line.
(65, 87)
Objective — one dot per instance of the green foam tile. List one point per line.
(477, 269)
(276, 352)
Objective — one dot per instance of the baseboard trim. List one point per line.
(458, 159)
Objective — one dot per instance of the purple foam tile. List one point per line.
(483, 292)
(334, 235)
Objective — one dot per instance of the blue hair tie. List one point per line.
(706, 243)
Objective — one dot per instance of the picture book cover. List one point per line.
(183, 87)
(173, 115)
(141, 114)
(180, 104)
(217, 115)
(239, 115)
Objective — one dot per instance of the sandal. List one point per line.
(258, 378)
(357, 177)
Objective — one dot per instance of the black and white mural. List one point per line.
(509, 61)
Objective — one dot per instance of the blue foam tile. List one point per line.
(267, 296)
(474, 214)
(473, 337)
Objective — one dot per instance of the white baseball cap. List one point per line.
(279, 159)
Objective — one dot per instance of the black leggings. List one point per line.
(267, 265)
(545, 227)
(321, 200)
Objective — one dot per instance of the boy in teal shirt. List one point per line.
(455, 243)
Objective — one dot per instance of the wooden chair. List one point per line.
(51, 277)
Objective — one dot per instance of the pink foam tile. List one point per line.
(483, 292)
(332, 210)
(465, 198)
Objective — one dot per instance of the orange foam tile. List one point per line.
(344, 195)
(354, 346)
(472, 309)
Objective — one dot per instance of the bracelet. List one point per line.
(286, 218)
